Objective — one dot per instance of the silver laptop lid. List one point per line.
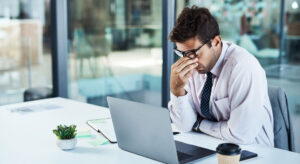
(143, 129)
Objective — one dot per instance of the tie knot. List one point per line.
(209, 74)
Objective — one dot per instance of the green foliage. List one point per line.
(65, 132)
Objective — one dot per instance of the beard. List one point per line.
(201, 69)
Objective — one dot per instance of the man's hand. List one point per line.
(181, 71)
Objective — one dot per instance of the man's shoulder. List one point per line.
(237, 56)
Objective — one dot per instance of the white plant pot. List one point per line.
(67, 144)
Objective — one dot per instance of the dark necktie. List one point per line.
(205, 97)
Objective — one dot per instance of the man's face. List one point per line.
(207, 56)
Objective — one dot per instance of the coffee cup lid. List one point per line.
(228, 149)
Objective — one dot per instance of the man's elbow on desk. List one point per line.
(222, 131)
(182, 124)
(244, 138)
(183, 127)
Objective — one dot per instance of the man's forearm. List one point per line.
(182, 112)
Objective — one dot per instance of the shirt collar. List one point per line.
(216, 70)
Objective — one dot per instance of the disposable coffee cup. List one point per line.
(228, 153)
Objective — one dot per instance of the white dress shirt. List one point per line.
(239, 100)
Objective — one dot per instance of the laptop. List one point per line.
(146, 130)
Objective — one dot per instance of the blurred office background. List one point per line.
(25, 48)
(115, 46)
(115, 49)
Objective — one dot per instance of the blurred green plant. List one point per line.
(65, 132)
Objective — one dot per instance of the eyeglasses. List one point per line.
(190, 53)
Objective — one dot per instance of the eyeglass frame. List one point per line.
(185, 53)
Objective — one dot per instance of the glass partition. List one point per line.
(115, 50)
(25, 48)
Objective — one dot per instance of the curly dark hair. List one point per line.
(194, 21)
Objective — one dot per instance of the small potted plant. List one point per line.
(66, 136)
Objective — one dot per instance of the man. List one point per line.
(217, 87)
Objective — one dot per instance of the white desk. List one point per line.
(28, 138)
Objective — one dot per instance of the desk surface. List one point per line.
(28, 138)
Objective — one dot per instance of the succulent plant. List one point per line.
(65, 132)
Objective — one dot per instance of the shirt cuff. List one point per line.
(211, 128)
(178, 102)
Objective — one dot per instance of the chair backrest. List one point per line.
(83, 49)
(283, 131)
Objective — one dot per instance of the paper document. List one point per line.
(105, 127)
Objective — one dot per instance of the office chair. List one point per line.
(283, 130)
(37, 93)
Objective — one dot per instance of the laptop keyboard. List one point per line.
(182, 156)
